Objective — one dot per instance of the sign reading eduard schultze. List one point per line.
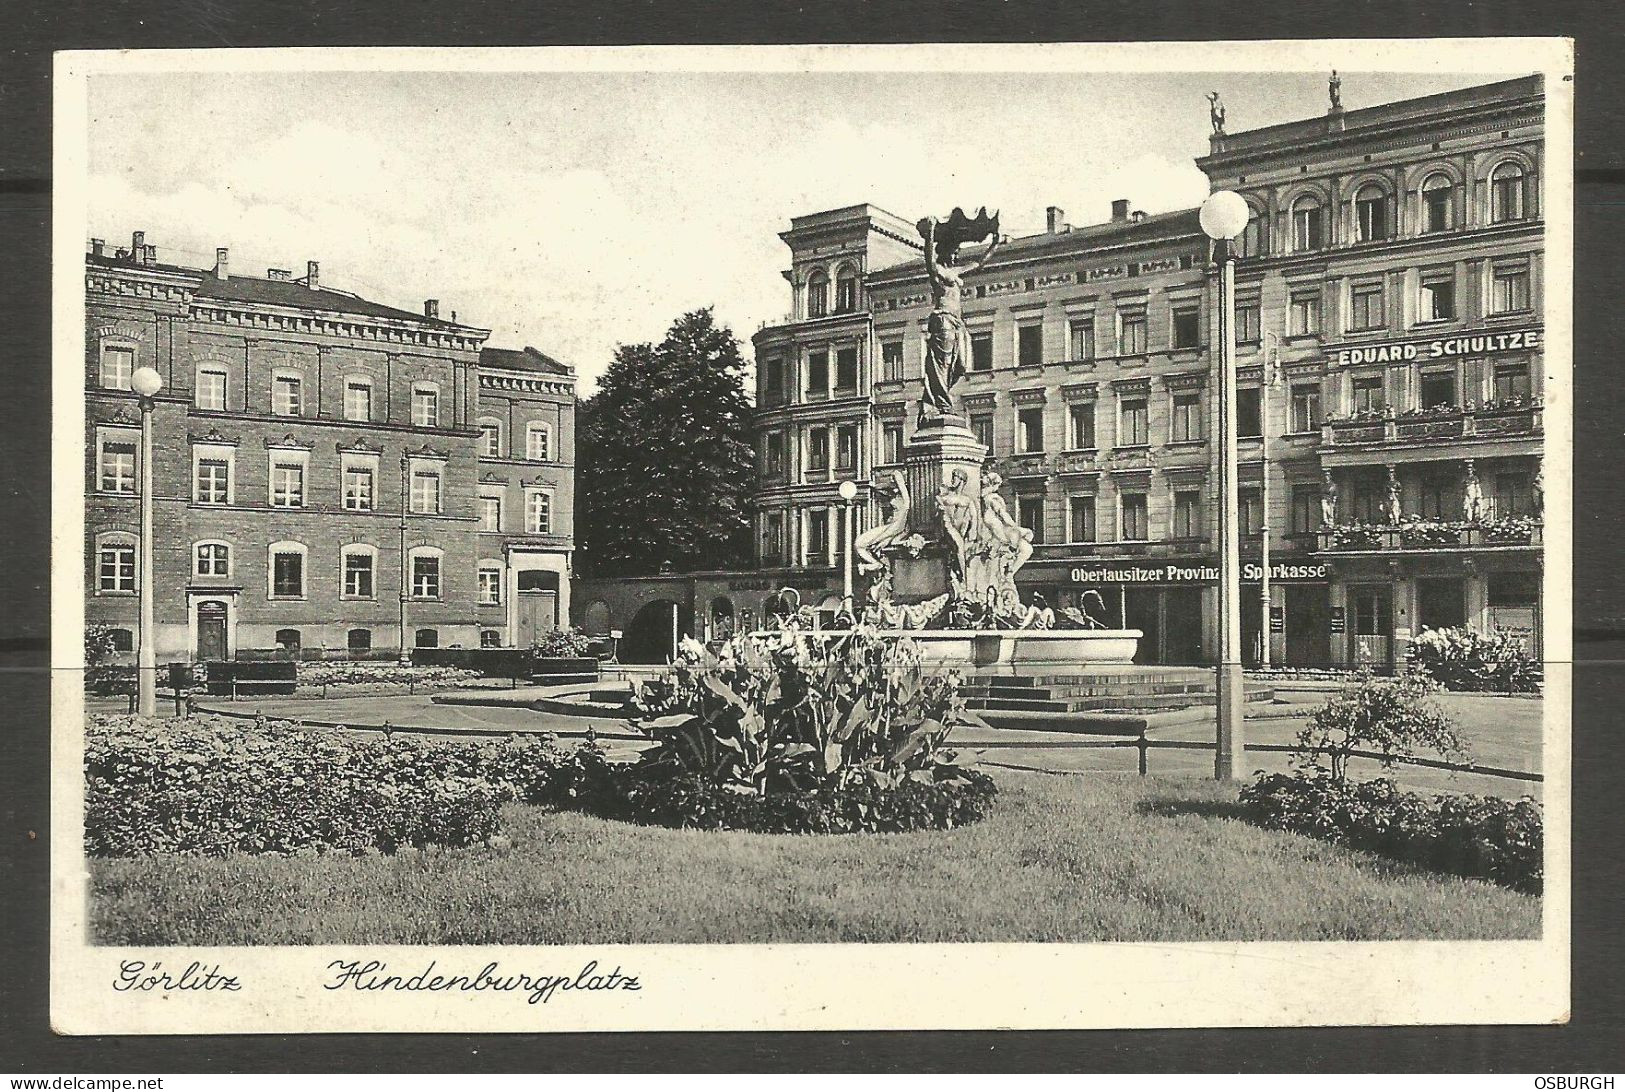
(1439, 348)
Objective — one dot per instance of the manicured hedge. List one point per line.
(1481, 837)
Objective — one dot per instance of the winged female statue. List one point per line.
(947, 342)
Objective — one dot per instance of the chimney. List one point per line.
(312, 273)
(1054, 220)
(97, 246)
(138, 247)
(1138, 215)
(431, 309)
(279, 274)
(1120, 210)
(221, 263)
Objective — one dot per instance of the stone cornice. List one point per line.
(525, 382)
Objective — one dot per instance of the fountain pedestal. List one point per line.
(942, 452)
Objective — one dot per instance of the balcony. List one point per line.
(1513, 532)
(1442, 424)
(1026, 464)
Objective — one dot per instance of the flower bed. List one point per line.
(320, 673)
(1479, 837)
(1461, 658)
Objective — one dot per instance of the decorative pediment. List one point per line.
(1253, 373)
(980, 400)
(490, 477)
(1185, 381)
(891, 410)
(213, 436)
(1133, 385)
(1185, 475)
(289, 441)
(1080, 392)
(1130, 478)
(427, 452)
(541, 481)
(123, 415)
(359, 446)
(1032, 397)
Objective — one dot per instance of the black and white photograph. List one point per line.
(774, 538)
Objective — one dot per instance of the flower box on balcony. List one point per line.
(1353, 538)
(1415, 535)
(1513, 531)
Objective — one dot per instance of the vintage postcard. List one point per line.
(864, 537)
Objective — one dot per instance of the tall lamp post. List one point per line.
(849, 493)
(146, 383)
(1224, 216)
(1272, 349)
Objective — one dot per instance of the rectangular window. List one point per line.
(1438, 297)
(425, 577)
(1030, 345)
(1303, 317)
(1366, 504)
(982, 425)
(288, 575)
(117, 471)
(212, 560)
(1512, 382)
(772, 381)
(426, 408)
(1187, 424)
(1080, 421)
(1134, 427)
(1305, 509)
(818, 450)
(1030, 514)
(1365, 307)
(1250, 511)
(426, 491)
(891, 435)
(490, 587)
(538, 443)
(212, 481)
(1436, 203)
(818, 373)
(1438, 389)
(846, 447)
(1435, 499)
(1030, 429)
(1306, 227)
(491, 440)
(1371, 213)
(358, 488)
(211, 390)
(358, 401)
(773, 537)
(1249, 409)
(358, 575)
(817, 536)
(891, 359)
(1188, 328)
(539, 514)
(1081, 519)
(490, 513)
(981, 351)
(1082, 333)
(1511, 290)
(1136, 524)
(115, 569)
(1187, 514)
(1131, 339)
(118, 364)
(773, 455)
(1368, 396)
(287, 396)
(846, 369)
(287, 485)
(1247, 322)
(1305, 407)
(1512, 496)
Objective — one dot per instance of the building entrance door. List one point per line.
(1372, 642)
(1308, 626)
(1440, 604)
(538, 615)
(211, 630)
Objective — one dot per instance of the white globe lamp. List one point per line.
(1224, 215)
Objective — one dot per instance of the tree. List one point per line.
(665, 458)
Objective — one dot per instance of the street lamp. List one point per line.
(1272, 352)
(1224, 216)
(849, 493)
(146, 383)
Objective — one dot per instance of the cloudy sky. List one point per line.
(576, 211)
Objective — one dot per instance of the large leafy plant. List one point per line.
(799, 711)
(1392, 718)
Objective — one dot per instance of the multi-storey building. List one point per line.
(1389, 291)
(320, 466)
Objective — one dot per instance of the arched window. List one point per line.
(1307, 221)
(285, 572)
(358, 640)
(115, 564)
(538, 442)
(846, 290)
(490, 638)
(1438, 203)
(1508, 193)
(818, 294)
(426, 638)
(358, 571)
(1253, 242)
(117, 365)
(425, 405)
(538, 512)
(357, 398)
(211, 559)
(490, 437)
(289, 640)
(423, 566)
(209, 388)
(1371, 214)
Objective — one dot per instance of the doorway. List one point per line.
(1372, 642)
(1308, 626)
(1440, 604)
(211, 630)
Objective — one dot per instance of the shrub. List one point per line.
(1461, 658)
(849, 733)
(345, 673)
(563, 644)
(102, 676)
(1478, 837)
(1393, 718)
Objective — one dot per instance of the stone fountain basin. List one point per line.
(1024, 650)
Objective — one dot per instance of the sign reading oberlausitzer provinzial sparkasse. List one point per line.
(1438, 348)
(1191, 572)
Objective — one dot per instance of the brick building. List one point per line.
(320, 466)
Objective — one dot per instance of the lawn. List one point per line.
(1060, 858)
